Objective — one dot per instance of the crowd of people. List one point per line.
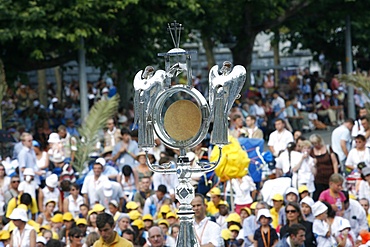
(118, 201)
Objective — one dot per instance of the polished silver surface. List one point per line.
(224, 89)
(180, 116)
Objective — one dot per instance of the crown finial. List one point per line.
(175, 31)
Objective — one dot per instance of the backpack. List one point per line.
(234, 160)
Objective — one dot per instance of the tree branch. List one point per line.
(296, 6)
(29, 65)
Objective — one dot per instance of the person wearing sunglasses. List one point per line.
(294, 216)
(13, 189)
(75, 237)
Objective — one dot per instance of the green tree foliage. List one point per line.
(45, 33)
(321, 28)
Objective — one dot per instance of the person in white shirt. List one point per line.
(364, 188)
(341, 139)
(279, 139)
(355, 213)
(207, 232)
(93, 183)
(358, 154)
(358, 129)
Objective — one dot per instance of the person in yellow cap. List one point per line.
(234, 241)
(223, 208)
(45, 217)
(81, 223)
(68, 222)
(108, 237)
(172, 218)
(278, 202)
(226, 235)
(212, 206)
(165, 226)
(163, 211)
(245, 213)
(134, 215)
(148, 221)
(98, 208)
(303, 191)
(233, 219)
(131, 206)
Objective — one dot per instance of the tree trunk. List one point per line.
(275, 44)
(3, 88)
(124, 88)
(242, 54)
(42, 87)
(58, 79)
(243, 51)
(208, 47)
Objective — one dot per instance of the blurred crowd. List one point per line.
(309, 194)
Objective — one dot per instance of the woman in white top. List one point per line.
(129, 181)
(364, 188)
(45, 217)
(287, 161)
(73, 202)
(42, 157)
(306, 168)
(242, 187)
(358, 154)
(4, 182)
(23, 235)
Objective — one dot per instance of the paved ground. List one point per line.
(325, 134)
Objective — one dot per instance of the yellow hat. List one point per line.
(23, 206)
(278, 197)
(165, 222)
(139, 223)
(171, 214)
(67, 216)
(233, 217)
(302, 189)
(4, 235)
(234, 228)
(226, 234)
(132, 205)
(46, 227)
(49, 201)
(253, 205)
(11, 226)
(215, 191)
(165, 209)
(98, 208)
(222, 202)
(249, 211)
(33, 223)
(57, 218)
(134, 215)
(91, 212)
(81, 221)
(148, 217)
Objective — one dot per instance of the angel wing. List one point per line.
(231, 84)
(146, 91)
(224, 89)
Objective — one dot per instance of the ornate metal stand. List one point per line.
(180, 116)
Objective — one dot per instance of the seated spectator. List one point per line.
(334, 194)
(73, 202)
(294, 216)
(154, 202)
(265, 235)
